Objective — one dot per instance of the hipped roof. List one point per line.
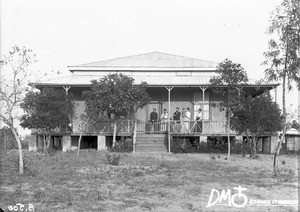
(149, 61)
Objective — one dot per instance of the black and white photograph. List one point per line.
(139, 105)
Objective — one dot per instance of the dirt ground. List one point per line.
(149, 182)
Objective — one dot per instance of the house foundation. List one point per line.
(203, 138)
(66, 143)
(32, 145)
(101, 142)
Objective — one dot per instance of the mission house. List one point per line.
(173, 81)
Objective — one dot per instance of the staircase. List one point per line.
(151, 143)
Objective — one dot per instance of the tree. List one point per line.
(13, 86)
(48, 111)
(283, 57)
(83, 124)
(232, 77)
(256, 117)
(115, 96)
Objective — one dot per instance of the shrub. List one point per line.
(212, 145)
(113, 159)
(123, 145)
(7, 140)
(183, 145)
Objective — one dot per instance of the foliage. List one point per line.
(232, 77)
(14, 81)
(123, 145)
(48, 110)
(256, 116)
(113, 159)
(115, 94)
(211, 145)
(283, 56)
(7, 139)
(13, 85)
(295, 125)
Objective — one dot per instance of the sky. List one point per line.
(72, 32)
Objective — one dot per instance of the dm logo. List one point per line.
(226, 195)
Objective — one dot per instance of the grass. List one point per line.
(142, 182)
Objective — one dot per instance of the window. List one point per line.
(205, 110)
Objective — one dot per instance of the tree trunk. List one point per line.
(48, 141)
(115, 134)
(134, 135)
(228, 135)
(45, 143)
(20, 151)
(253, 147)
(280, 141)
(79, 144)
(245, 145)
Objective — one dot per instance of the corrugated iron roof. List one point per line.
(152, 60)
(155, 63)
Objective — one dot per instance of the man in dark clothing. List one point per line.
(153, 116)
(176, 115)
(176, 118)
(153, 119)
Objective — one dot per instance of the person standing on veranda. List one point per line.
(199, 121)
(153, 120)
(164, 120)
(187, 118)
(176, 118)
(183, 128)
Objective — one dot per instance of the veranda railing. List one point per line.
(189, 127)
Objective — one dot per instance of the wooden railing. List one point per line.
(190, 127)
(122, 126)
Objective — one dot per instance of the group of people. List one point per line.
(181, 119)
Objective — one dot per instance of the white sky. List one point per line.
(71, 32)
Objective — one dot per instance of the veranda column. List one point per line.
(101, 142)
(66, 88)
(66, 143)
(203, 96)
(275, 89)
(32, 145)
(169, 108)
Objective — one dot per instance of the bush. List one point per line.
(183, 144)
(7, 140)
(123, 145)
(113, 159)
(212, 145)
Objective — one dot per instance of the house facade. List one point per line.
(173, 81)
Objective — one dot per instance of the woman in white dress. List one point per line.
(199, 121)
(164, 120)
(187, 118)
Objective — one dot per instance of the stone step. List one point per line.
(152, 149)
(150, 145)
(150, 141)
(151, 136)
